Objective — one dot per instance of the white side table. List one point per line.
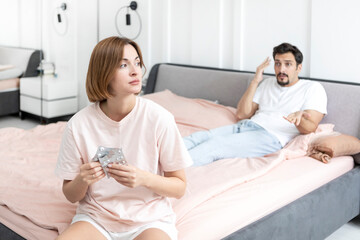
(56, 98)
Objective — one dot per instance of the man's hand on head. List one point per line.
(260, 70)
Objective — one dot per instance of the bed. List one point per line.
(15, 63)
(284, 195)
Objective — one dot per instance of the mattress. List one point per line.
(219, 199)
(9, 84)
(248, 202)
(234, 208)
(24, 226)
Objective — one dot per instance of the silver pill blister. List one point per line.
(106, 156)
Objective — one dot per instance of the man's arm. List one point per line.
(306, 121)
(246, 108)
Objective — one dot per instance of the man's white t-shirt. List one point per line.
(276, 101)
(150, 141)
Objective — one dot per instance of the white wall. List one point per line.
(9, 24)
(335, 40)
(237, 34)
(59, 39)
(269, 23)
(20, 23)
(33, 24)
(86, 39)
(240, 34)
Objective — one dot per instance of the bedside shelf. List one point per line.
(57, 97)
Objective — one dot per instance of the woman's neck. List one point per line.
(117, 108)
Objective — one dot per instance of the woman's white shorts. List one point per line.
(168, 228)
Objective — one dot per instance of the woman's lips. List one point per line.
(134, 82)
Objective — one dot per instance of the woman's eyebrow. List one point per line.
(125, 59)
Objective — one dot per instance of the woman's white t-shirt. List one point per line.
(150, 141)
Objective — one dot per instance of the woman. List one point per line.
(133, 202)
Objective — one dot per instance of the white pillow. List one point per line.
(11, 73)
(5, 67)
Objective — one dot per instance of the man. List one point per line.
(270, 113)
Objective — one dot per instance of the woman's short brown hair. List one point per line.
(104, 61)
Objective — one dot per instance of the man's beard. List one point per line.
(280, 82)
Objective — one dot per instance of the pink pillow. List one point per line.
(327, 147)
(194, 114)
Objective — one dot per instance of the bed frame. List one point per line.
(313, 216)
(27, 60)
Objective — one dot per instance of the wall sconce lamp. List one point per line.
(63, 8)
(133, 6)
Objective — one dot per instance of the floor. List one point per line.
(350, 231)
(14, 121)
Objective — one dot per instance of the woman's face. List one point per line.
(128, 75)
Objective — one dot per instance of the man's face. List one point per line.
(286, 70)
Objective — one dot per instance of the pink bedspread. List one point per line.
(210, 180)
(29, 187)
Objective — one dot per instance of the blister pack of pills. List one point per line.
(106, 156)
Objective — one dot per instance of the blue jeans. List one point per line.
(240, 140)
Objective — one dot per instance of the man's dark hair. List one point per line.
(287, 47)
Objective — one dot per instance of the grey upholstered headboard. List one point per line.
(227, 86)
(194, 82)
